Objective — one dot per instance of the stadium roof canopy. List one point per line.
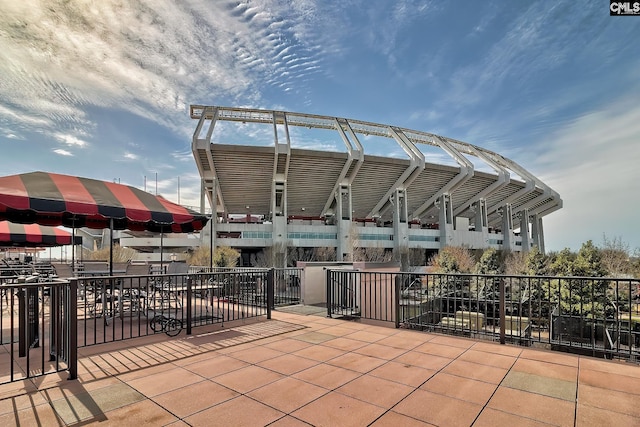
(239, 178)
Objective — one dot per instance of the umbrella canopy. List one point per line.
(54, 199)
(32, 235)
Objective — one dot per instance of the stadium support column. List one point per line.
(208, 233)
(344, 222)
(481, 222)
(537, 232)
(507, 227)
(282, 154)
(524, 230)
(445, 219)
(400, 228)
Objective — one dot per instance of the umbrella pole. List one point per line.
(111, 247)
(161, 250)
(73, 247)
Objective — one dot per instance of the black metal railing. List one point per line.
(588, 315)
(114, 308)
(287, 281)
(43, 324)
(35, 328)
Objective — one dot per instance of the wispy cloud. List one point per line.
(593, 163)
(130, 156)
(96, 55)
(70, 140)
(62, 152)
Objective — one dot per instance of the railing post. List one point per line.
(396, 299)
(189, 304)
(329, 292)
(270, 291)
(22, 322)
(501, 310)
(73, 329)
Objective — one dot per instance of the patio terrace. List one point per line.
(301, 368)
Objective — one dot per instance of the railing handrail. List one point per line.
(562, 310)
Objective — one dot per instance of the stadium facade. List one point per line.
(278, 196)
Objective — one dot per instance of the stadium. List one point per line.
(279, 180)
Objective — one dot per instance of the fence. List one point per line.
(586, 315)
(36, 329)
(43, 324)
(122, 307)
(286, 280)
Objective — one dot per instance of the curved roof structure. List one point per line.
(237, 177)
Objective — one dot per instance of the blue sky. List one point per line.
(102, 89)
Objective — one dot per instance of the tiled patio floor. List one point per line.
(300, 370)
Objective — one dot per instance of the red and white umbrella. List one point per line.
(54, 199)
(34, 235)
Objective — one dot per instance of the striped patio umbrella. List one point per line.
(54, 199)
(34, 235)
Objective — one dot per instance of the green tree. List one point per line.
(537, 263)
(575, 294)
(224, 256)
(489, 263)
(615, 256)
(453, 259)
(200, 256)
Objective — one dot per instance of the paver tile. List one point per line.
(476, 371)
(287, 394)
(40, 415)
(186, 401)
(288, 364)
(400, 341)
(546, 369)
(605, 380)
(440, 350)
(423, 360)
(239, 412)
(534, 406)
(345, 344)
(461, 388)
(610, 400)
(320, 353)
(327, 376)
(161, 382)
(438, 410)
(588, 416)
(550, 357)
(493, 418)
(356, 362)
(380, 351)
(394, 419)
(214, 366)
(287, 345)
(246, 379)
(546, 386)
(256, 354)
(90, 404)
(490, 359)
(336, 409)
(402, 373)
(375, 390)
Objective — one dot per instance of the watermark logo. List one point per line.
(624, 8)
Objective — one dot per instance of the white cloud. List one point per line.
(593, 163)
(151, 58)
(70, 140)
(130, 156)
(62, 152)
